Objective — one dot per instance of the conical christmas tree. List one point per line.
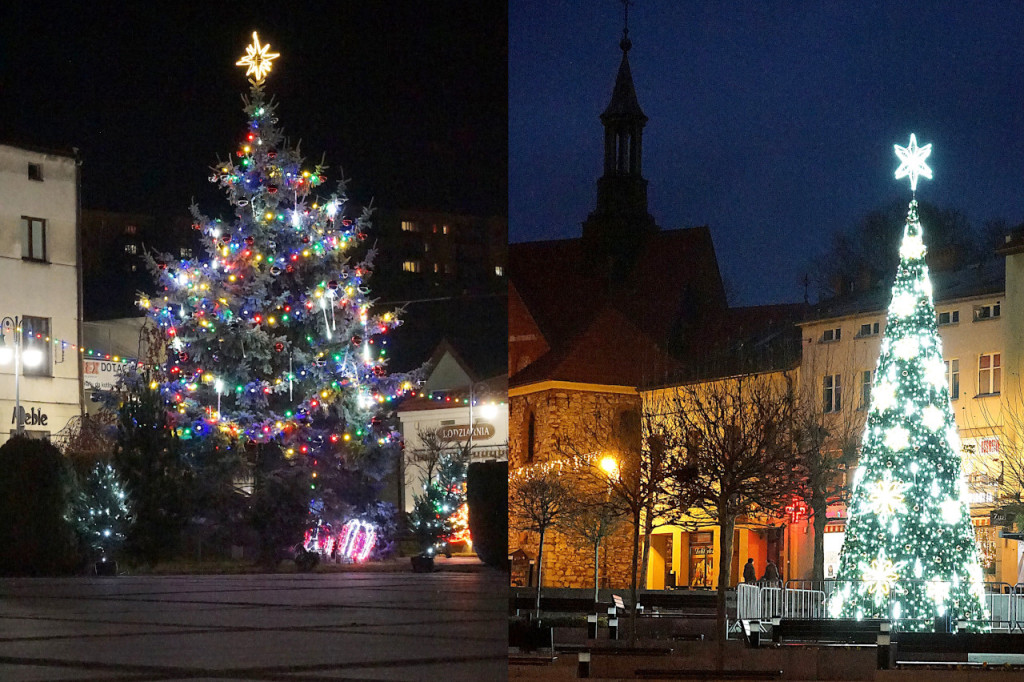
(910, 552)
(271, 335)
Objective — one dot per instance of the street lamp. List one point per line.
(610, 466)
(489, 411)
(29, 357)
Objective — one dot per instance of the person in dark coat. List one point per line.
(749, 572)
(771, 574)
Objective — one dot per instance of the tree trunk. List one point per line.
(597, 574)
(632, 584)
(727, 524)
(540, 568)
(819, 507)
(648, 527)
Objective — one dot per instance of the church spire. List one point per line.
(620, 222)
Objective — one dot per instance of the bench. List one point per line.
(689, 674)
(551, 604)
(845, 630)
(530, 636)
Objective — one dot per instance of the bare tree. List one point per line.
(591, 521)
(730, 455)
(538, 498)
(827, 447)
(613, 451)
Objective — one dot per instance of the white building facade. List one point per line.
(40, 291)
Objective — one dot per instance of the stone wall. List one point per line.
(568, 422)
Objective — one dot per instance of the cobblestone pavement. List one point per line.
(447, 625)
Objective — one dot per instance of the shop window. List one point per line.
(37, 355)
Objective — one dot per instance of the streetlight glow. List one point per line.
(610, 466)
(31, 357)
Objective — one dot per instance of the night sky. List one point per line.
(408, 97)
(773, 123)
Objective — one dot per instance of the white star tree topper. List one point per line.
(912, 162)
(258, 58)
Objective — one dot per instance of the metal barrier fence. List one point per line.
(810, 599)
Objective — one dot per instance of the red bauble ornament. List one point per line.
(272, 189)
(333, 284)
(347, 222)
(378, 371)
(279, 346)
(226, 239)
(250, 241)
(356, 340)
(361, 235)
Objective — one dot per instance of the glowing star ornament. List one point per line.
(938, 591)
(933, 418)
(903, 304)
(912, 162)
(912, 247)
(897, 438)
(258, 58)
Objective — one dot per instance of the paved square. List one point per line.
(338, 626)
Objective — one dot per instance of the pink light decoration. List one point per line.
(356, 540)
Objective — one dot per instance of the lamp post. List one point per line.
(29, 358)
(489, 411)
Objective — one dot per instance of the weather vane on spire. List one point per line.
(258, 59)
(912, 162)
(625, 43)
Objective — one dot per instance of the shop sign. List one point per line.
(33, 417)
(700, 550)
(481, 431)
(102, 375)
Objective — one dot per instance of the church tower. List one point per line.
(619, 225)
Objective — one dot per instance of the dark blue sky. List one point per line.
(773, 123)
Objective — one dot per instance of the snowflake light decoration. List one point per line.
(880, 577)
(887, 497)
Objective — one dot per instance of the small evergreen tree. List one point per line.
(101, 511)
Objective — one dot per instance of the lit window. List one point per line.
(831, 393)
(949, 317)
(35, 335)
(865, 388)
(989, 373)
(953, 378)
(499, 271)
(185, 252)
(411, 266)
(444, 229)
(437, 267)
(986, 312)
(831, 335)
(131, 249)
(408, 226)
(34, 245)
(35, 172)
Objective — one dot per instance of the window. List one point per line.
(409, 226)
(437, 267)
(35, 172)
(953, 378)
(865, 388)
(531, 437)
(444, 229)
(868, 329)
(989, 373)
(426, 248)
(986, 312)
(34, 246)
(831, 335)
(831, 394)
(35, 339)
(411, 266)
(949, 317)
(185, 252)
(499, 271)
(131, 249)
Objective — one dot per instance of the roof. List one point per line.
(979, 279)
(614, 330)
(624, 103)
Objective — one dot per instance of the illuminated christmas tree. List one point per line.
(910, 552)
(101, 511)
(272, 338)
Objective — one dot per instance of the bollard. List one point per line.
(583, 666)
(613, 628)
(592, 627)
(884, 650)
